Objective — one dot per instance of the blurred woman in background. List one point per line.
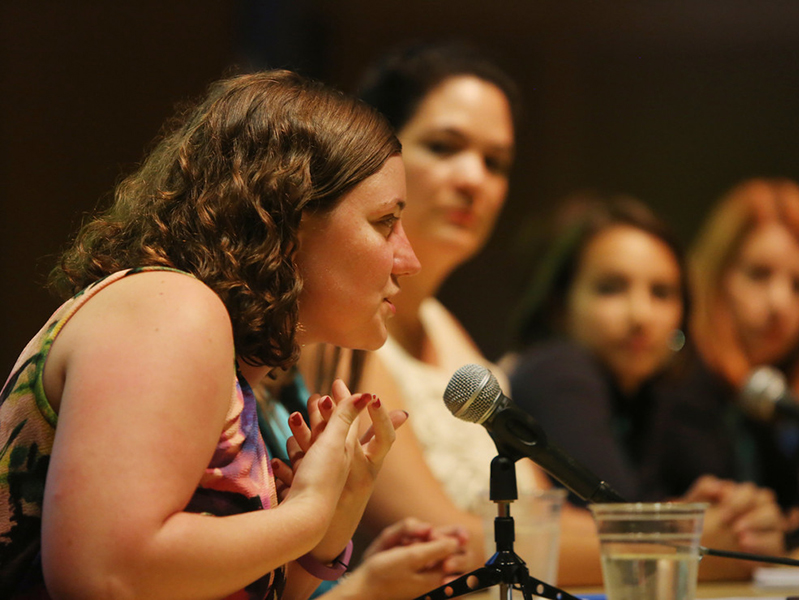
(599, 328)
(744, 275)
(455, 115)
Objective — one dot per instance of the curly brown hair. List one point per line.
(222, 194)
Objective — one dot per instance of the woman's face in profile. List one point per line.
(458, 149)
(351, 259)
(625, 303)
(761, 288)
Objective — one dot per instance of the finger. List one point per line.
(283, 478)
(314, 414)
(455, 531)
(340, 391)
(426, 555)
(705, 488)
(378, 445)
(300, 430)
(282, 471)
(320, 408)
(736, 500)
(326, 407)
(294, 451)
(740, 499)
(407, 531)
(401, 533)
(456, 563)
(398, 418)
(281, 491)
(345, 414)
(761, 518)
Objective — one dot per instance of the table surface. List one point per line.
(738, 589)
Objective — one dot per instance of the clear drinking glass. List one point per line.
(650, 551)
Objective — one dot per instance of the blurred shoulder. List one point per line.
(556, 357)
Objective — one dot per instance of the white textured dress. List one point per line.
(458, 453)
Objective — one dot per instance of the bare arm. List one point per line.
(145, 372)
(579, 562)
(406, 486)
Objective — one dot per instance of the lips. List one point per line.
(637, 345)
(461, 217)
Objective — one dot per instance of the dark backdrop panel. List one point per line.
(84, 88)
(671, 103)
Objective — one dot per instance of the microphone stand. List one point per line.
(505, 567)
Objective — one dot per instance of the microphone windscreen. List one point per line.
(472, 393)
(759, 395)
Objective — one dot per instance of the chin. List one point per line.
(375, 345)
(369, 343)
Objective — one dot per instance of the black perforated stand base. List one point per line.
(505, 568)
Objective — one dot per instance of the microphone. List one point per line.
(766, 396)
(473, 394)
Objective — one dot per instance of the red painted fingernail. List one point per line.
(376, 403)
(296, 418)
(363, 399)
(326, 403)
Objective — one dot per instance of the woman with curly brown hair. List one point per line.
(130, 458)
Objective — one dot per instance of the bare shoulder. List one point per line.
(166, 299)
(156, 320)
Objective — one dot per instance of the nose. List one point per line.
(470, 172)
(639, 308)
(781, 296)
(405, 261)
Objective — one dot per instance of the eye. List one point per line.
(664, 291)
(498, 165)
(442, 147)
(388, 223)
(610, 286)
(758, 273)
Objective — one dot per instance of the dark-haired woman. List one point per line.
(131, 462)
(600, 326)
(455, 114)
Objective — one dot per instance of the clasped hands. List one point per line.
(332, 464)
(740, 517)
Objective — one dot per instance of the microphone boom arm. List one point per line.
(518, 435)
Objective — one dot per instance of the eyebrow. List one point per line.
(456, 132)
(393, 204)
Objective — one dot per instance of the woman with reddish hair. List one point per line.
(744, 277)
